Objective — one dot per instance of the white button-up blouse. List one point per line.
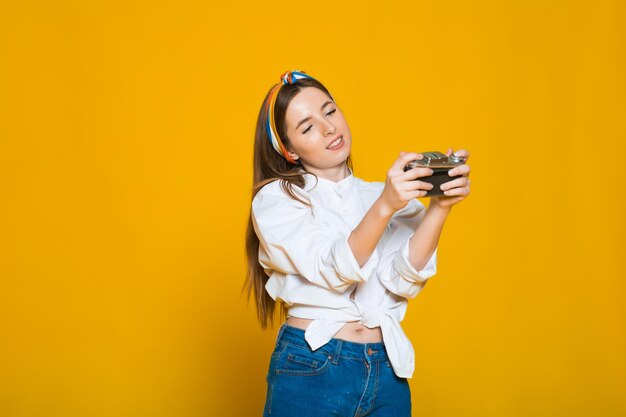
(305, 252)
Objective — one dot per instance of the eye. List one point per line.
(327, 114)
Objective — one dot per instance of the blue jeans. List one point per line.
(341, 378)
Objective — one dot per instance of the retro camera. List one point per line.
(440, 164)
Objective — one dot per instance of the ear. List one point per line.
(293, 155)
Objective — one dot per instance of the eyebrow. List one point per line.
(309, 118)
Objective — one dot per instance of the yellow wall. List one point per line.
(126, 133)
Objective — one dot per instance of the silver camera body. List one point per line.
(440, 164)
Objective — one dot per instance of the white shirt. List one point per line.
(311, 267)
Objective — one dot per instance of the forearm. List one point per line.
(426, 237)
(365, 236)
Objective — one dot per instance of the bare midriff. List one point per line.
(352, 331)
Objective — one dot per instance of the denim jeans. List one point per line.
(341, 378)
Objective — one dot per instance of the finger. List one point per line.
(463, 153)
(449, 152)
(416, 194)
(450, 201)
(459, 170)
(462, 191)
(403, 159)
(416, 172)
(417, 185)
(459, 182)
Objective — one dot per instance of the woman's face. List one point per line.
(313, 123)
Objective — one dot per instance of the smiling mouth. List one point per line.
(335, 143)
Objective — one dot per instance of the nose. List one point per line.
(329, 128)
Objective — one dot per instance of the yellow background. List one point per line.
(126, 132)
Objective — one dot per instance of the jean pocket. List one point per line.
(277, 350)
(302, 361)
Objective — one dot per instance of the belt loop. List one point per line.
(281, 330)
(335, 358)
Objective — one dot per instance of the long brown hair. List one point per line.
(268, 166)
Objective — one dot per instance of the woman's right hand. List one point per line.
(400, 186)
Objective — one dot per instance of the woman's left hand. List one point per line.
(457, 189)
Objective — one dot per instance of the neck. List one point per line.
(334, 174)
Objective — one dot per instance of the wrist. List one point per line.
(434, 205)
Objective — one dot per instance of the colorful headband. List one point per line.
(288, 77)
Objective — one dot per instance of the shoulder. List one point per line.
(271, 188)
(273, 195)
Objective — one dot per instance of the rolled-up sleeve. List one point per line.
(395, 270)
(293, 241)
(405, 268)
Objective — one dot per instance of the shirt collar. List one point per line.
(341, 186)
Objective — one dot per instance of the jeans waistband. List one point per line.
(335, 346)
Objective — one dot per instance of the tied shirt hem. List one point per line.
(327, 322)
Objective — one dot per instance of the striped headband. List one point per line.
(288, 77)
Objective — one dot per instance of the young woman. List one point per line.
(342, 254)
